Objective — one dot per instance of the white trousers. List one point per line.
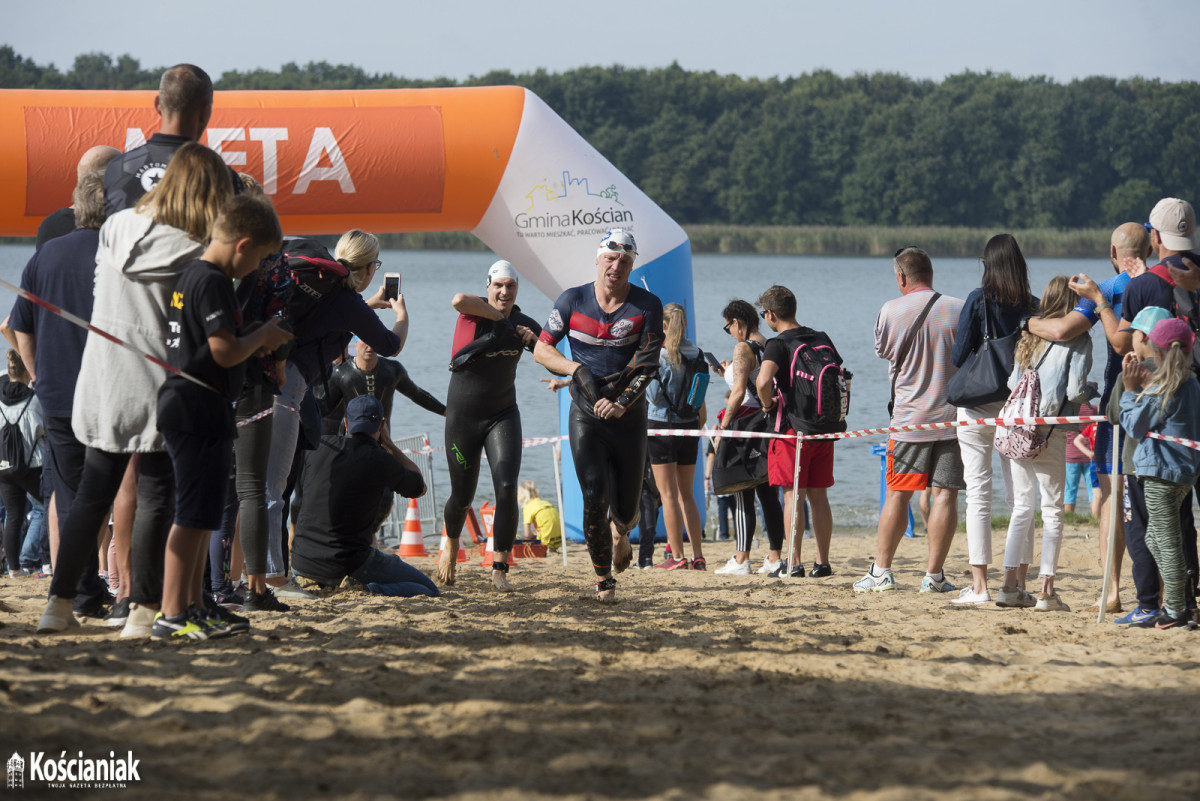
(975, 443)
(1046, 472)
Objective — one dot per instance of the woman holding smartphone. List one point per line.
(482, 413)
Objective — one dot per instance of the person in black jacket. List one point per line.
(344, 481)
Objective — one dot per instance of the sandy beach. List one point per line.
(693, 686)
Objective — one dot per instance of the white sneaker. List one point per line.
(770, 567)
(1015, 598)
(1050, 603)
(57, 616)
(873, 583)
(293, 591)
(139, 623)
(732, 568)
(967, 595)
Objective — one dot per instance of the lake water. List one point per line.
(840, 296)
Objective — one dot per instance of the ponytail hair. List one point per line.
(674, 324)
(16, 368)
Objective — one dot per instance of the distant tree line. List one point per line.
(974, 150)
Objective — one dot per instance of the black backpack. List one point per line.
(686, 405)
(820, 391)
(293, 285)
(14, 456)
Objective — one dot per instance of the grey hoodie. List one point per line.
(137, 265)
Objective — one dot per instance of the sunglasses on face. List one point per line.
(617, 246)
(763, 314)
(727, 326)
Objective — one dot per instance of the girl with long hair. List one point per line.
(1166, 401)
(1062, 370)
(673, 459)
(1000, 303)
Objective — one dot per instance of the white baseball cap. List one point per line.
(1175, 221)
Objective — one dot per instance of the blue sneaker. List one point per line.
(1142, 618)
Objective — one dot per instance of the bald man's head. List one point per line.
(1131, 239)
(95, 158)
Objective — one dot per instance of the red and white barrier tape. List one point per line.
(79, 321)
(1188, 443)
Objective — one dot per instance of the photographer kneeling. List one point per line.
(344, 482)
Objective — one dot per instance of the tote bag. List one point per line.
(741, 463)
(984, 378)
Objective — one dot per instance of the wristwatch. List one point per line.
(1024, 324)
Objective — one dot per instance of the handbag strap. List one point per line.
(908, 341)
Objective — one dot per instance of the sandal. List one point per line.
(607, 584)
(699, 564)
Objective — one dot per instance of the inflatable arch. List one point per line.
(494, 161)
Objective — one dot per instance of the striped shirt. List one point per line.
(921, 382)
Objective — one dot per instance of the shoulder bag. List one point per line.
(984, 376)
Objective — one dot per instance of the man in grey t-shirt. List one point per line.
(918, 459)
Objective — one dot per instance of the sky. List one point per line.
(1061, 39)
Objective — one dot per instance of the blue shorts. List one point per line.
(1075, 472)
(1103, 450)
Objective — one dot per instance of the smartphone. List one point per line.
(712, 361)
(391, 286)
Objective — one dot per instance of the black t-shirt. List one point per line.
(202, 304)
(57, 223)
(779, 350)
(342, 484)
(1151, 289)
(135, 173)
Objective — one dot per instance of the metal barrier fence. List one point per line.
(417, 448)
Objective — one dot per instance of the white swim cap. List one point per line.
(502, 269)
(619, 240)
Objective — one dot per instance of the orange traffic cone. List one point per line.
(412, 543)
(462, 552)
(487, 514)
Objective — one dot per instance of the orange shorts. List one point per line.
(816, 463)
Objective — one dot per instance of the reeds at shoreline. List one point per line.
(807, 240)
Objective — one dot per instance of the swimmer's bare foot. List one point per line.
(606, 591)
(500, 577)
(622, 550)
(448, 562)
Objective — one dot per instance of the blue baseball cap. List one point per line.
(364, 414)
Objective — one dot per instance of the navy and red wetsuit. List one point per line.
(621, 350)
(482, 413)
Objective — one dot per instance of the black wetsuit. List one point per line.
(481, 413)
(389, 377)
(621, 351)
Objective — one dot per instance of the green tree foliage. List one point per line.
(977, 149)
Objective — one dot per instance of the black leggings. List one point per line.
(743, 516)
(610, 457)
(467, 436)
(12, 491)
(102, 474)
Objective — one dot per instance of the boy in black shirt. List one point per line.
(197, 422)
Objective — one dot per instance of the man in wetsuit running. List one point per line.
(616, 333)
(482, 414)
(368, 374)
